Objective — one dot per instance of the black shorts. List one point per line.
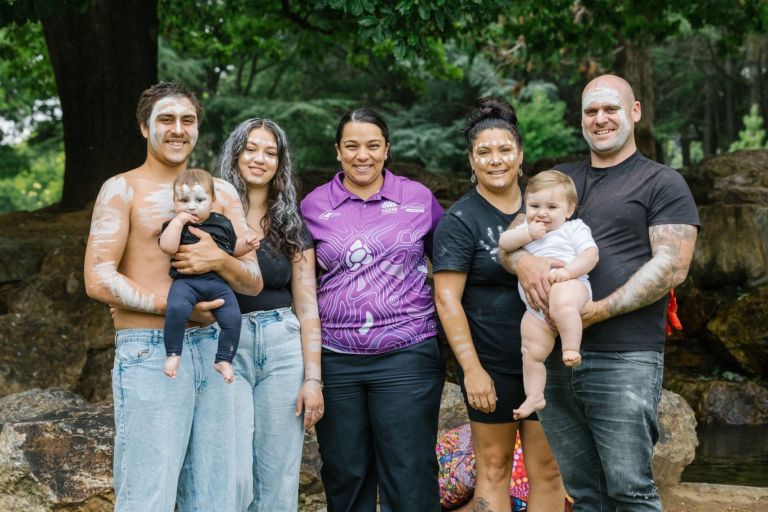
(510, 393)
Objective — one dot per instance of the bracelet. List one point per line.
(314, 379)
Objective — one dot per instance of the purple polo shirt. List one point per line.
(372, 261)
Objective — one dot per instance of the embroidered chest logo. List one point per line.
(414, 208)
(328, 214)
(388, 207)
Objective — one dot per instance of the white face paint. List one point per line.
(494, 152)
(605, 123)
(194, 200)
(173, 128)
(258, 161)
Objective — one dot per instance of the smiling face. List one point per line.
(362, 151)
(171, 131)
(549, 206)
(195, 200)
(258, 161)
(608, 117)
(495, 159)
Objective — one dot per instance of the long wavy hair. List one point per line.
(282, 222)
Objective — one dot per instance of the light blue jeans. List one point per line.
(600, 420)
(174, 438)
(269, 437)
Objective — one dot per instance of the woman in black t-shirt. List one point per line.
(480, 310)
(277, 365)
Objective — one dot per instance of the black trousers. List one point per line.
(379, 429)
(185, 292)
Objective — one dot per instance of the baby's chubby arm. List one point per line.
(171, 236)
(516, 237)
(580, 265)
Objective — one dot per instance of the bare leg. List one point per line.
(170, 366)
(538, 340)
(565, 302)
(547, 493)
(494, 445)
(225, 369)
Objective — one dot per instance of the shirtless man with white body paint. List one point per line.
(159, 458)
(600, 417)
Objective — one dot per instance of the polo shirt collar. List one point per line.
(391, 190)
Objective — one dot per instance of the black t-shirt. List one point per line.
(466, 240)
(619, 204)
(276, 271)
(216, 225)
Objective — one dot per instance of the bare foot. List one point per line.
(530, 406)
(571, 358)
(225, 369)
(170, 365)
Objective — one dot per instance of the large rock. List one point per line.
(677, 442)
(691, 497)
(733, 178)
(31, 404)
(741, 329)
(732, 247)
(719, 401)
(54, 329)
(60, 462)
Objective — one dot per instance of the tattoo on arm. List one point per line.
(672, 246)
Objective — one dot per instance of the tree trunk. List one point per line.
(102, 58)
(633, 63)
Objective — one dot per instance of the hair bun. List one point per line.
(490, 107)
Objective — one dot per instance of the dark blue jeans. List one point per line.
(185, 292)
(379, 429)
(600, 420)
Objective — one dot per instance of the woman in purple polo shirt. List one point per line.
(381, 362)
(481, 310)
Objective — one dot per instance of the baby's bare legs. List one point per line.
(225, 369)
(170, 366)
(565, 302)
(538, 340)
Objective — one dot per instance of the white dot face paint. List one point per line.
(172, 129)
(495, 158)
(605, 122)
(194, 200)
(258, 161)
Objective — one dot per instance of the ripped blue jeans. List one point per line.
(600, 420)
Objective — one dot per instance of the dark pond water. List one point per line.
(733, 455)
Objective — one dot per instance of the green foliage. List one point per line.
(753, 134)
(542, 123)
(38, 177)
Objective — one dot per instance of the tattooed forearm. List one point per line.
(672, 246)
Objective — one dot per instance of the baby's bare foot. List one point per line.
(170, 365)
(571, 358)
(530, 406)
(225, 369)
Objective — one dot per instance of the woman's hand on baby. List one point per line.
(559, 275)
(481, 392)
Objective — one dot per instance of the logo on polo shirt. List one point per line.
(414, 208)
(328, 214)
(388, 207)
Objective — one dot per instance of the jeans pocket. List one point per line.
(642, 358)
(291, 323)
(132, 353)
